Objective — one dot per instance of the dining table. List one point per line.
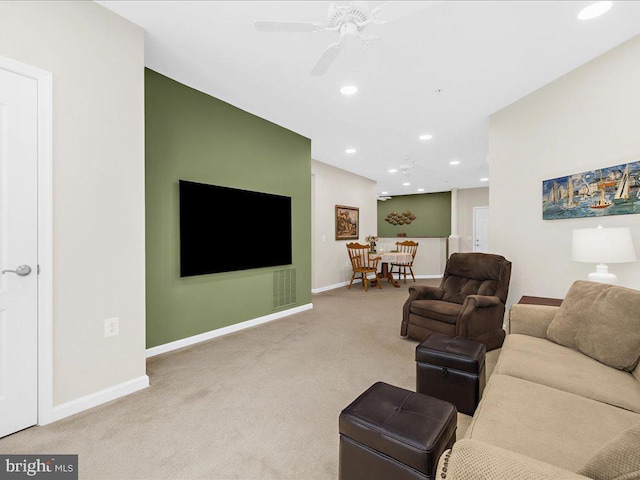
(390, 257)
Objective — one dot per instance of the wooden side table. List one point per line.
(552, 302)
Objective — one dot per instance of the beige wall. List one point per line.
(431, 256)
(467, 199)
(97, 62)
(589, 118)
(332, 186)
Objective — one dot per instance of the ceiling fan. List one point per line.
(348, 21)
(408, 166)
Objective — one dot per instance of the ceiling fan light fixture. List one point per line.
(350, 150)
(425, 136)
(348, 90)
(594, 10)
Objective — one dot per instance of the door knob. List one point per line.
(21, 270)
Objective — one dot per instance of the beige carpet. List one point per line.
(257, 405)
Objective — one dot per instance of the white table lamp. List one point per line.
(602, 245)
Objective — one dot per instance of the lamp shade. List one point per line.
(603, 245)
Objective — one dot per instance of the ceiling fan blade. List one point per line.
(269, 26)
(374, 13)
(326, 59)
(392, 11)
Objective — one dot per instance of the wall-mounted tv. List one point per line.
(225, 229)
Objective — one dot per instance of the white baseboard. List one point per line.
(332, 287)
(185, 342)
(98, 398)
(344, 284)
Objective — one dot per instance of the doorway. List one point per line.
(481, 229)
(26, 392)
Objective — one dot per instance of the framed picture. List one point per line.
(606, 191)
(347, 222)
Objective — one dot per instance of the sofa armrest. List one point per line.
(472, 459)
(425, 292)
(418, 292)
(479, 313)
(482, 301)
(532, 320)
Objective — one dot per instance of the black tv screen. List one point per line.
(225, 229)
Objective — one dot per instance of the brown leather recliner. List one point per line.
(470, 301)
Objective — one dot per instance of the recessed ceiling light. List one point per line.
(421, 189)
(350, 150)
(406, 184)
(348, 90)
(454, 162)
(485, 179)
(393, 170)
(426, 136)
(384, 193)
(594, 10)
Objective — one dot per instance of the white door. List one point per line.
(18, 252)
(481, 229)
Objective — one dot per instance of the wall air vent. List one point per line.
(284, 287)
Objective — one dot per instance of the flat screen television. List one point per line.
(225, 229)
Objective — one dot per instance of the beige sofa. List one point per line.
(551, 411)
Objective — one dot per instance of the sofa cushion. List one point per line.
(618, 459)
(544, 423)
(436, 309)
(476, 274)
(456, 288)
(611, 333)
(541, 361)
(601, 321)
(575, 309)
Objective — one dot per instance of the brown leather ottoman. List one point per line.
(452, 369)
(389, 433)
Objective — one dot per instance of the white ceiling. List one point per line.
(438, 67)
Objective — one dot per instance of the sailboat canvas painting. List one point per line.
(606, 191)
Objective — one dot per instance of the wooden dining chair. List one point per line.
(362, 264)
(407, 246)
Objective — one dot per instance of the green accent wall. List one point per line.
(432, 211)
(193, 136)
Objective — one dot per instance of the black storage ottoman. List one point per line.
(389, 433)
(451, 369)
